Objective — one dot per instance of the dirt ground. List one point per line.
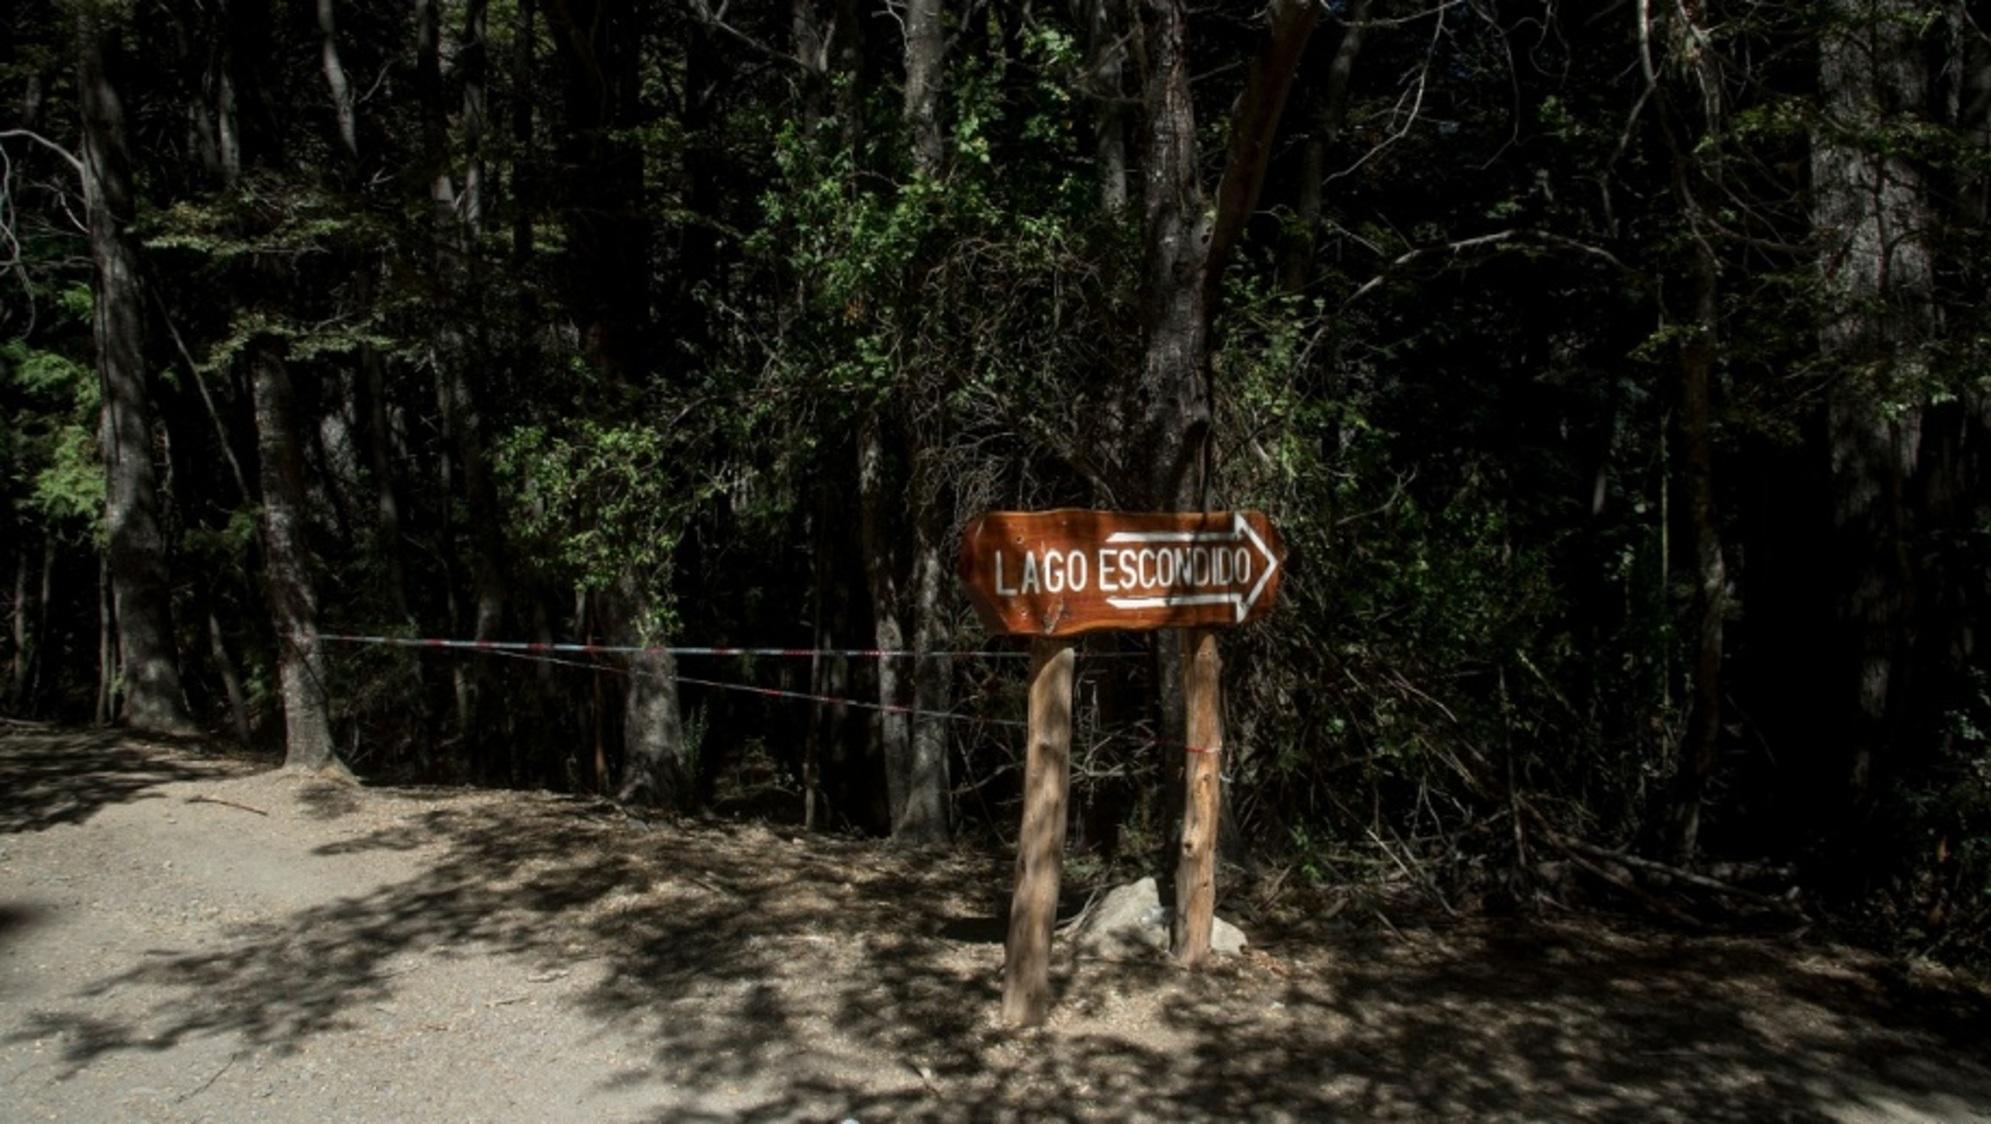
(186, 937)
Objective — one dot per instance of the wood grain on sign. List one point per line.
(1059, 573)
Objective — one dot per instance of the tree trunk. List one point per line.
(880, 569)
(456, 232)
(1330, 113)
(224, 661)
(1870, 214)
(1173, 395)
(607, 259)
(524, 184)
(106, 640)
(1188, 242)
(920, 814)
(340, 90)
(17, 680)
(926, 46)
(1695, 174)
(1696, 366)
(286, 558)
(42, 659)
(657, 770)
(139, 574)
(1106, 45)
(924, 816)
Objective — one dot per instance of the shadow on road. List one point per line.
(827, 979)
(67, 777)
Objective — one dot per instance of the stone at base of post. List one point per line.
(1040, 846)
(1196, 867)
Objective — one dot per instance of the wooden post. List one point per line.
(1196, 868)
(1040, 847)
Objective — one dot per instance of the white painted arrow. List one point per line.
(1240, 529)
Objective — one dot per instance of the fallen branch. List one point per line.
(1688, 877)
(1622, 879)
(224, 803)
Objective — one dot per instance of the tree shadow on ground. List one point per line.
(823, 978)
(67, 777)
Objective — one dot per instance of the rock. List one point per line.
(1225, 938)
(1127, 923)
(1130, 922)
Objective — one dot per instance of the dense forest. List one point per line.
(1615, 373)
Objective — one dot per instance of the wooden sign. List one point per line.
(1060, 573)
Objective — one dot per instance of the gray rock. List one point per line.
(1225, 938)
(1130, 922)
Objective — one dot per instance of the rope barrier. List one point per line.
(537, 653)
(681, 650)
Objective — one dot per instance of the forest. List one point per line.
(1616, 374)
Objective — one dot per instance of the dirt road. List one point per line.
(188, 938)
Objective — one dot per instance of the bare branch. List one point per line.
(30, 134)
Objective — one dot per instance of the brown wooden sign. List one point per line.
(1059, 573)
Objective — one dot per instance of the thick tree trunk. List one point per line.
(1189, 241)
(286, 558)
(656, 758)
(1172, 397)
(1870, 213)
(140, 579)
(920, 815)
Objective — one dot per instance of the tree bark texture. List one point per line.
(139, 576)
(1172, 400)
(345, 118)
(1040, 844)
(926, 46)
(287, 563)
(657, 770)
(1106, 44)
(1188, 242)
(894, 727)
(925, 815)
(1871, 218)
(1196, 864)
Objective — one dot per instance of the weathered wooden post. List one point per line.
(1196, 867)
(1040, 847)
(1051, 575)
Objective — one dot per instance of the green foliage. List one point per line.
(594, 503)
(48, 451)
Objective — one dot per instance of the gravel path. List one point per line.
(191, 938)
